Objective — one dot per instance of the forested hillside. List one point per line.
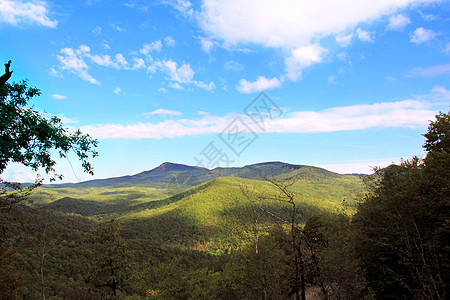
(265, 231)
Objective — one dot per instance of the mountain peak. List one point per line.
(170, 166)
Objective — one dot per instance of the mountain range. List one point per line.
(169, 174)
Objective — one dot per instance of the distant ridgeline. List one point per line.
(169, 174)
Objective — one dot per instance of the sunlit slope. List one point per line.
(208, 214)
(313, 186)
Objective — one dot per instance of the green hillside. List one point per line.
(154, 191)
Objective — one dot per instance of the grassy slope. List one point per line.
(206, 216)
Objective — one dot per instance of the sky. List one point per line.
(346, 85)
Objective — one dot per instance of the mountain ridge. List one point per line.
(169, 173)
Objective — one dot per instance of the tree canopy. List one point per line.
(28, 137)
(402, 225)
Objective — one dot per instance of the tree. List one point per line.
(109, 263)
(29, 138)
(295, 231)
(402, 225)
(331, 262)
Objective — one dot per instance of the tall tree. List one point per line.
(403, 223)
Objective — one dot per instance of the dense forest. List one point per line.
(265, 231)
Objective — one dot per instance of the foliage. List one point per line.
(402, 225)
(29, 138)
(108, 263)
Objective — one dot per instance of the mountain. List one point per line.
(171, 175)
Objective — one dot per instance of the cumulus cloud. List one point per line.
(184, 7)
(164, 112)
(17, 12)
(260, 84)
(365, 36)
(422, 35)
(293, 24)
(76, 61)
(73, 60)
(138, 64)
(398, 22)
(405, 114)
(169, 41)
(116, 90)
(289, 23)
(206, 86)
(302, 57)
(58, 97)
(149, 47)
(182, 74)
(206, 44)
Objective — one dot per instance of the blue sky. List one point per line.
(347, 85)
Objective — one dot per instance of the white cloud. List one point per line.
(116, 90)
(422, 35)
(438, 95)
(398, 22)
(447, 49)
(260, 84)
(206, 86)
(169, 41)
(429, 17)
(184, 7)
(344, 40)
(139, 63)
(16, 172)
(232, 65)
(401, 114)
(302, 57)
(206, 44)
(407, 114)
(365, 36)
(430, 71)
(164, 112)
(289, 23)
(153, 46)
(292, 24)
(121, 61)
(58, 97)
(359, 167)
(17, 12)
(175, 85)
(139, 7)
(97, 30)
(73, 61)
(105, 44)
(117, 28)
(67, 120)
(183, 74)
